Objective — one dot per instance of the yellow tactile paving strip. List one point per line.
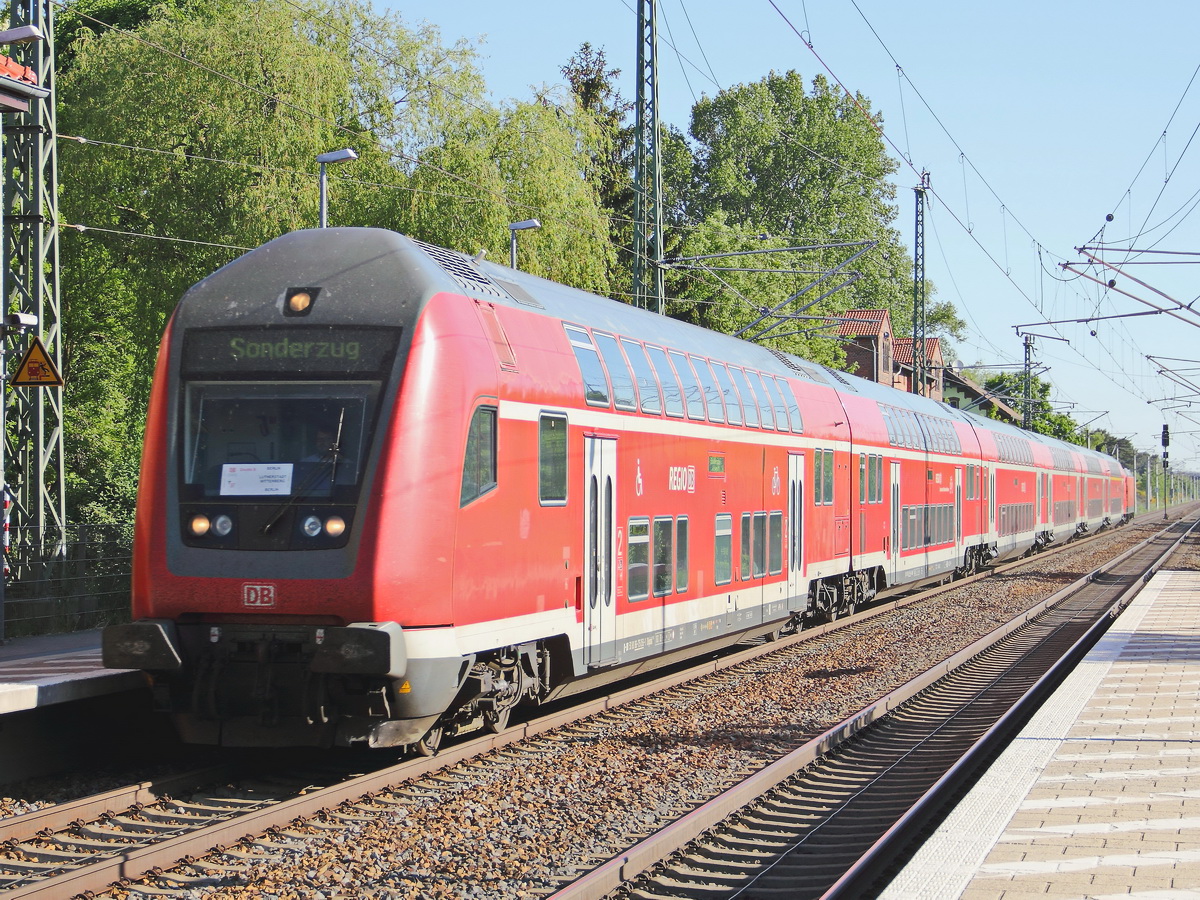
(1099, 796)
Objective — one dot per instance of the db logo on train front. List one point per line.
(258, 596)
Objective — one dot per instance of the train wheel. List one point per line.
(497, 721)
(428, 745)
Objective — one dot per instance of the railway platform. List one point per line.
(1099, 795)
(51, 669)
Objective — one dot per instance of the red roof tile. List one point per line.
(861, 322)
(902, 349)
(9, 68)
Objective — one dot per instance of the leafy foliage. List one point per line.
(1043, 419)
(202, 121)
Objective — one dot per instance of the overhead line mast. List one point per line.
(647, 176)
(920, 363)
(34, 436)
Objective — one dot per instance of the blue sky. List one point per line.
(1035, 120)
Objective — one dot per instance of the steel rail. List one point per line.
(133, 862)
(656, 848)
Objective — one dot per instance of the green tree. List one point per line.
(201, 129)
(804, 167)
(1044, 420)
(496, 166)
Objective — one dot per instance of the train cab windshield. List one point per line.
(275, 440)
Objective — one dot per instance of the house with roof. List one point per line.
(866, 336)
(875, 353)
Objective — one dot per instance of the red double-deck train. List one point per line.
(390, 491)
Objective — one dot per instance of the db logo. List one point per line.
(258, 596)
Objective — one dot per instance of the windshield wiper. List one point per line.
(328, 462)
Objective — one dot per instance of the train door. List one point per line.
(600, 539)
(958, 510)
(797, 588)
(895, 542)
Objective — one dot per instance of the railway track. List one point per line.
(81, 847)
(840, 825)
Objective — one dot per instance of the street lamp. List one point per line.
(512, 238)
(333, 156)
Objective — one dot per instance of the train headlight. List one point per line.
(222, 525)
(335, 526)
(200, 525)
(312, 526)
(299, 302)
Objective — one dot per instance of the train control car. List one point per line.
(390, 491)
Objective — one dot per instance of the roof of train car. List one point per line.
(606, 314)
(426, 270)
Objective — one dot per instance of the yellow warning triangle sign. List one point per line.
(36, 368)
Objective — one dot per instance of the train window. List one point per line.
(828, 473)
(777, 399)
(692, 392)
(664, 556)
(552, 459)
(759, 388)
(624, 393)
(637, 579)
(746, 534)
(760, 544)
(274, 439)
(818, 482)
(723, 550)
(479, 463)
(595, 384)
(733, 409)
(748, 398)
(862, 478)
(793, 407)
(672, 395)
(712, 393)
(681, 555)
(878, 481)
(775, 543)
(646, 382)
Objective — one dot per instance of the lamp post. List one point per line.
(524, 225)
(333, 156)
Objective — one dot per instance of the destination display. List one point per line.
(264, 479)
(227, 351)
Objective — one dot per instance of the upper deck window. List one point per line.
(624, 393)
(733, 408)
(692, 393)
(748, 398)
(712, 393)
(646, 382)
(595, 384)
(672, 395)
(793, 407)
(759, 389)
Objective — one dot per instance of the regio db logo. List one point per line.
(681, 478)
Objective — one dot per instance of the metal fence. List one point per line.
(66, 579)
